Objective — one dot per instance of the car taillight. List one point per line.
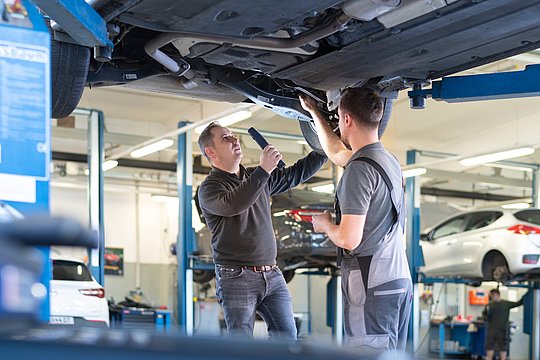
(530, 259)
(524, 229)
(303, 214)
(100, 293)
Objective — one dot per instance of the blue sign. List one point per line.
(24, 106)
(25, 149)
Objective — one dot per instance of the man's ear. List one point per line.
(348, 120)
(210, 152)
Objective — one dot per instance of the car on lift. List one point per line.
(76, 297)
(484, 245)
(298, 246)
(269, 51)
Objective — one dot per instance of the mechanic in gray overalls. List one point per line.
(376, 282)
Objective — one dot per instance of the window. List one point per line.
(530, 216)
(70, 271)
(450, 227)
(482, 219)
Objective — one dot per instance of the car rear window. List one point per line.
(531, 216)
(482, 219)
(70, 271)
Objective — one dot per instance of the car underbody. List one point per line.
(268, 52)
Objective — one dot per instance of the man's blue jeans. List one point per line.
(244, 292)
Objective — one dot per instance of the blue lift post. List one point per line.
(95, 191)
(25, 145)
(533, 322)
(414, 252)
(185, 238)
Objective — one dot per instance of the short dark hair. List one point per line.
(364, 105)
(206, 138)
(495, 291)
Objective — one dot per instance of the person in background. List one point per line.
(496, 315)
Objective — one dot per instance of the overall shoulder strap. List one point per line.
(379, 168)
(398, 207)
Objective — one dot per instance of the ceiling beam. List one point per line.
(466, 194)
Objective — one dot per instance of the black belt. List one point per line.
(260, 268)
(255, 268)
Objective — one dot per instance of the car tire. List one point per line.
(288, 275)
(500, 273)
(495, 267)
(310, 134)
(202, 276)
(69, 64)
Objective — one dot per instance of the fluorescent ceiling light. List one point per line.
(228, 120)
(328, 188)
(503, 155)
(520, 205)
(414, 172)
(109, 164)
(152, 148)
(165, 198)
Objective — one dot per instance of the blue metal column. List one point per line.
(334, 308)
(25, 103)
(534, 338)
(184, 173)
(95, 191)
(414, 252)
(535, 188)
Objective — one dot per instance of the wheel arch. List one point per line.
(487, 261)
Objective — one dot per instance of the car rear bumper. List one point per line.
(79, 321)
(516, 257)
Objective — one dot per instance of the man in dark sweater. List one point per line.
(235, 202)
(496, 315)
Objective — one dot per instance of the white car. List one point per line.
(496, 244)
(76, 297)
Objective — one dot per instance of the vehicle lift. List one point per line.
(506, 85)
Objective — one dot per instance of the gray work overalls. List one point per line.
(377, 289)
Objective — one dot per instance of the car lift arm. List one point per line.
(504, 85)
(79, 20)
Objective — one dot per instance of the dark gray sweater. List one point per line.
(237, 209)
